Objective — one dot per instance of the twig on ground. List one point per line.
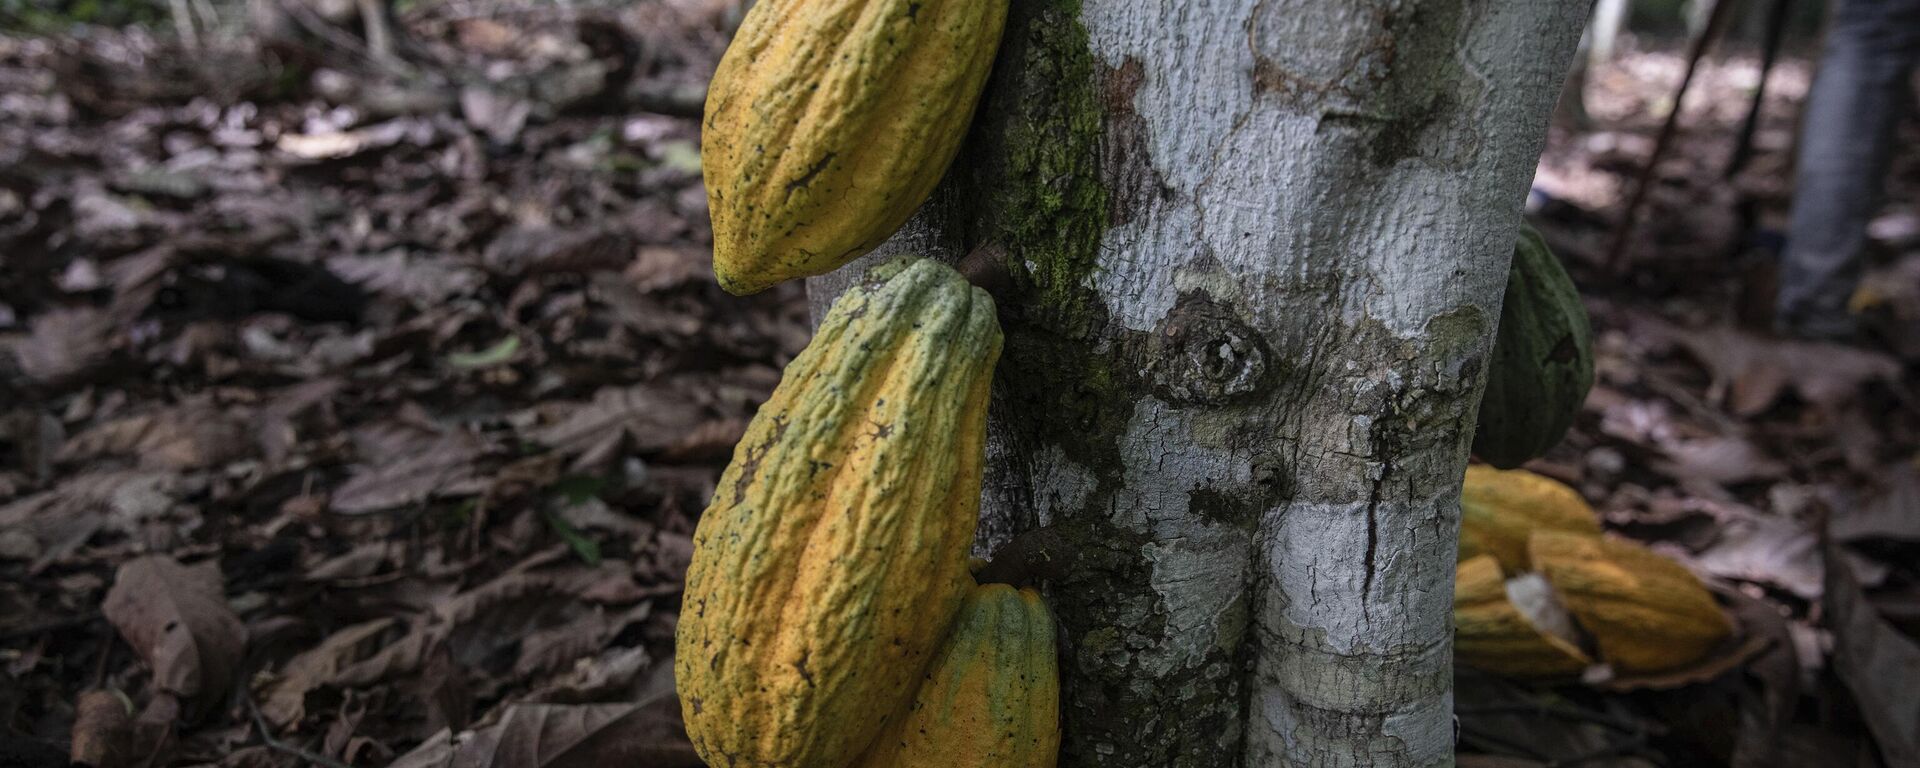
(266, 737)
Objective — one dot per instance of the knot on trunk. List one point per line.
(1202, 354)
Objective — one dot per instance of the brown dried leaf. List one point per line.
(554, 648)
(650, 316)
(102, 729)
(650, 419)
(1497, 715)
(60, 520)
(37, 437)
(711, 441)
(277, 428)
(667, 560)
(177, 620)
(478, 623)
(658, 267)
(1893, 515)
(63, 344)
(423, 280)
(1719, 460)
(495, 113)
(286, 699)
(1878, 663)
(194, 434)
(534, 250)
(437, 469)
(610, 676)
(1767, 550)
(1752, 371)
(648, 733)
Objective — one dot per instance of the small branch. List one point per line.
(373, 19)
(266, 737)
(327, 34)
(1616, 259)
(1743, 146)
(183, 24)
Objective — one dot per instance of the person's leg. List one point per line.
(1846, 137)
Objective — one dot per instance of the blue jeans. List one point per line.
(1846, 138)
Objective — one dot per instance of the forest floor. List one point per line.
(360, 417)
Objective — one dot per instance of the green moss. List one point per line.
(1042, 198)
(1033, 189)
(1069, 381)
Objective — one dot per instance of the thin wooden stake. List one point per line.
(1617, 257)
(1776, 30)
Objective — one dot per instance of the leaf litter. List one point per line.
(356, 415)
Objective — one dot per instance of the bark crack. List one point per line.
(1373, 536)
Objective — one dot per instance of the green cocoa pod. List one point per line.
(1542, 361)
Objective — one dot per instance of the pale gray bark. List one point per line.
(1230, 450)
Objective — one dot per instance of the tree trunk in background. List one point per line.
(1252, 257)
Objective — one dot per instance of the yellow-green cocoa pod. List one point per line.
(1646, 613)
(833, 557)
(991, 699)
(1500, 510)
(1494, 633)
(830, 121)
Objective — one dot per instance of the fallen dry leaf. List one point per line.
(439, 468)
(1767, 550)
(556, 648)
(1722, 460)
(610, 676)
(423, 280)
(177, 620)
(650, 419)
(1500, 715)
(286, 699)
(523, 251)
(1892, 515)
(102, 730)
(194, 434)
(647, 733)
(51, 525)
(1878, 663)
(63, 343)
(657, 268)
(1751, 371)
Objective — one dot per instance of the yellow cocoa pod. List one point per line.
(1493, 634)
(991, 699)
(1646, 613)
(833, 557)
(830, 121)
(1501, 508)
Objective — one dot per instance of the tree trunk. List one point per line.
(1249, 257)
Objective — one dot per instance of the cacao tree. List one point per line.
(1248, 256)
